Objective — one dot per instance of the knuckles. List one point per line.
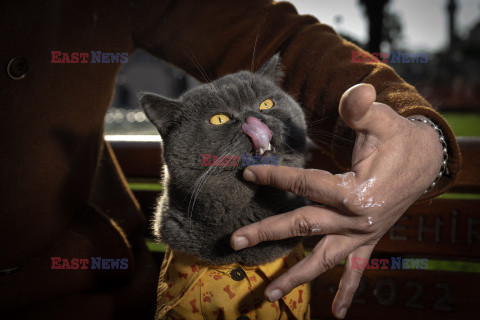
(299, 184)
(262, 233)
(295, 282)
(363, 228)
(327, 263)
(303, 226)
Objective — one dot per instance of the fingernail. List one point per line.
(248, 175)
(240, 243)
(342, 313)
(274, 295)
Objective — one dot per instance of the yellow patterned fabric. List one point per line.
(190, 289)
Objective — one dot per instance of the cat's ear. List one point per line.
(159, 110)
(272, 69)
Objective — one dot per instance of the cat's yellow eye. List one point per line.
(219, 119)
(267, 104)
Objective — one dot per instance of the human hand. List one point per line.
(394, 161)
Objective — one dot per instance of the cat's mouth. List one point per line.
(265, 152)
(260, 134)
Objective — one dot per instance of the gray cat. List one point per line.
(237, 116)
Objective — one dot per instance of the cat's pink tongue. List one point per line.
(259, 133)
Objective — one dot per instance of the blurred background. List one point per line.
(448, 30)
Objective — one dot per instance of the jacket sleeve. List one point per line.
(209, 39)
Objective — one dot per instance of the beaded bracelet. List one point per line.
(443, 169)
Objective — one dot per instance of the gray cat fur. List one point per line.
(198, 213)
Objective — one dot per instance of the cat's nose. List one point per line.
(259, 133)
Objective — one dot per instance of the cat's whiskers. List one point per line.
(253, 55)
(290, 147)
(324, 138)
(203, 179)
(196, 63)
(199, 184)
(196, 189)
(200, 181)
(320, 136)
(323, 134)
(252, 68)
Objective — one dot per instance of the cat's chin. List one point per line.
(221, 253)
(211, 243)
(260, 254)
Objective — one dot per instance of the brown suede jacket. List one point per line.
(63, 195)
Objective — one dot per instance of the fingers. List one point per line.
(330, 251)
(304, 221)
(350, 280)
(355, 103)
(316, 185)
(360, 112)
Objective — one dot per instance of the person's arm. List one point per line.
(212, 38)
(393, 160)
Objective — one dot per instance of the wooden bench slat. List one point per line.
(468, 179)
(402, 294)
(139, 159)
(448, 227)
(143, 159)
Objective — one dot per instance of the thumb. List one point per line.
(360, 112)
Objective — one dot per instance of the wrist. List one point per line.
(439, 146)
